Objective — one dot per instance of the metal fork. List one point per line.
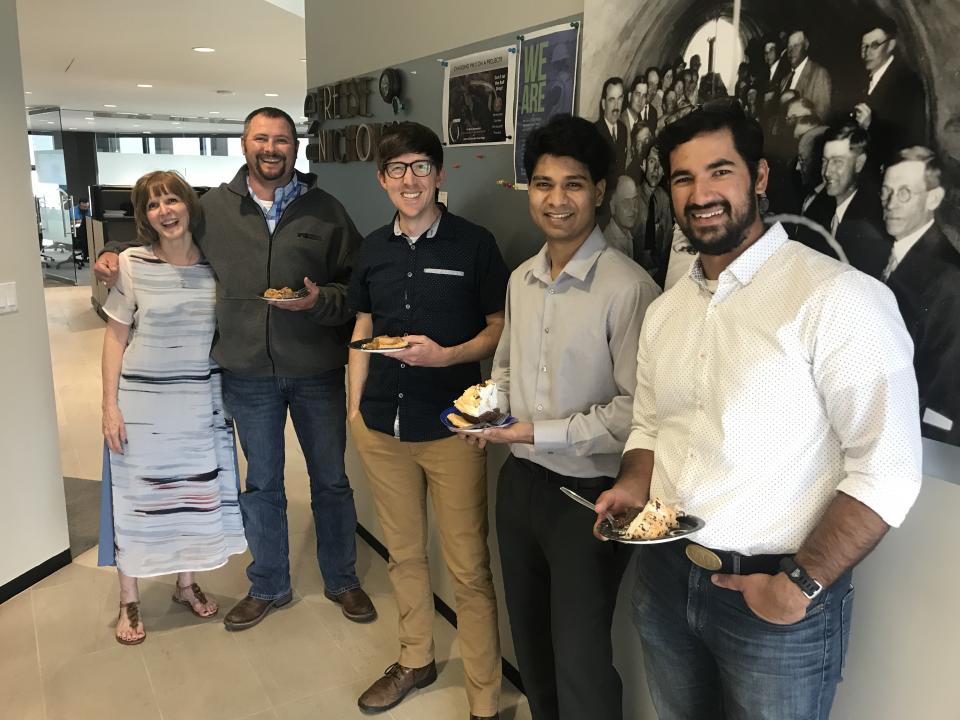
(586, 503)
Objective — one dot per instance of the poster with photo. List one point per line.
(546, 83)
(478, 98)
(861, 121)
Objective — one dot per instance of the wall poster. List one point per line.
(478, 98)
(546, 83)
(861, 121)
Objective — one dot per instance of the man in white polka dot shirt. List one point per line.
(776, 400)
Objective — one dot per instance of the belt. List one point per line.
(726, 561)
(574, 483)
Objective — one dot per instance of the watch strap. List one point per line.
(810, 587)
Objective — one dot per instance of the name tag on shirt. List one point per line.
(932, 417)
(441, 271)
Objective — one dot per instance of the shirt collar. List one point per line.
(799, 68)
(577, 267)
(745, 267)
(875, 77)
(902, 246)
(844, 206)
(431, 231)
(281, 194)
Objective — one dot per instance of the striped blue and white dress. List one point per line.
(170, 500)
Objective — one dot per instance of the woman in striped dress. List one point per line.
(170, 475)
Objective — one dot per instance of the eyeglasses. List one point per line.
(396, 170)
(875, 45)
(903, 194)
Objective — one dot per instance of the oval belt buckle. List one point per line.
(702, 557)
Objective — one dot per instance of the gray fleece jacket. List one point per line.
(314, 237)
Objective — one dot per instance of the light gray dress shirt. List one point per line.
(567, 356)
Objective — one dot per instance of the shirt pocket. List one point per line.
(445, 291)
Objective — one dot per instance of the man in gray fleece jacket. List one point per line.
(272, 227)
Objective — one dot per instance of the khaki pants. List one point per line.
(400, 474)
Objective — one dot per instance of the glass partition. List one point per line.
(56, 216)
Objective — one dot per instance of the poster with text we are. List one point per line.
(546, 84)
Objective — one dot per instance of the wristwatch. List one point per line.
(810, 587)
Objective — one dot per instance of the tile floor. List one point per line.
(60, 661)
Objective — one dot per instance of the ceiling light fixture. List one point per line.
(204, 49)
(144, 85)
(86, 118)
(214, 112)
(27, 92)
(271, 94)
(110, 106)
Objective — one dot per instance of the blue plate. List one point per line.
(505, 421)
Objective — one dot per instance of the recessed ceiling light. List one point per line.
(109, 105)
(271, 94)
(86, 118)
(71, 128)
(204, 49)
(136, 125)
(27, 92)
(214, 112)
(49, 122)
(174, 123)
(303, 59)
(144, 85)
(147, 132)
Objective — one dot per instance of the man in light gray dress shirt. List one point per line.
(566, 367)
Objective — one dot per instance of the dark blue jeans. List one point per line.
(317, 406)
(707, 656)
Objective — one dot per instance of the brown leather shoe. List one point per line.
(395, 685)
(249, 611)
(355, 604)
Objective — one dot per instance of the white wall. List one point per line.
(348, 38)
(199, 170)
(33, 523)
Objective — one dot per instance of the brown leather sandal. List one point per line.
(133, 615)
(198, 594)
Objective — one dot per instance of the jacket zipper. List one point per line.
(270, 235)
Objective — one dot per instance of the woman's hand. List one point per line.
(114, 431)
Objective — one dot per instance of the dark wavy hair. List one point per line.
(713, 116)
(409, 137)
(569, 136)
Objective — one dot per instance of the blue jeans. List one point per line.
(707, 656)
(317, 406)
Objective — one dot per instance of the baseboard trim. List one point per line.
(35, 575)
(445, 611)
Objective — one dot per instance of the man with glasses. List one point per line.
(892, 99)
(439, 281)
(924, 274)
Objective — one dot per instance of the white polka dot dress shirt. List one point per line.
(793, 381)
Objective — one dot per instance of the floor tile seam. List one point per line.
(253, 668)
(153, 689)
(36, 643)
